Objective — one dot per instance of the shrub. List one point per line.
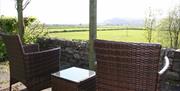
(8, 24)
(33, 30)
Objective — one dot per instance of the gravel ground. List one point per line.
(4, 75)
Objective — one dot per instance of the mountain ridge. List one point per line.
(124, 22)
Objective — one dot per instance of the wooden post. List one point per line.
(92, 33)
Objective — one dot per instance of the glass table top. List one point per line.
(75, 74)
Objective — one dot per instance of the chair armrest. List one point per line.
(165, 66)
(31, 48)
(42, 62)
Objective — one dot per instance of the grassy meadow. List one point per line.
(115, 33)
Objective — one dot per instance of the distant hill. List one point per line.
(124, 22)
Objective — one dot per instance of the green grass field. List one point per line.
(114, 33)
(117, 35)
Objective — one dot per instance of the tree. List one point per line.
(171, 24)
(20, 6)
(149, 24)
(174, 26)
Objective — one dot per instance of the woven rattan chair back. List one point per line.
(15, 55)
(29, 65)
(125, 66)
(13, 46)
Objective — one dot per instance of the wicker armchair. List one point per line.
(125, 66)
(29, 65)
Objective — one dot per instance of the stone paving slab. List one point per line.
(20, 87)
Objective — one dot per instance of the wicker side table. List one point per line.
(74, 79)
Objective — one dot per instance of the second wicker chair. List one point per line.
(123, 66)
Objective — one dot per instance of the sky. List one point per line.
(77, 11)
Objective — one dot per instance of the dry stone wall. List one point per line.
(72, 53)
(170, 81)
